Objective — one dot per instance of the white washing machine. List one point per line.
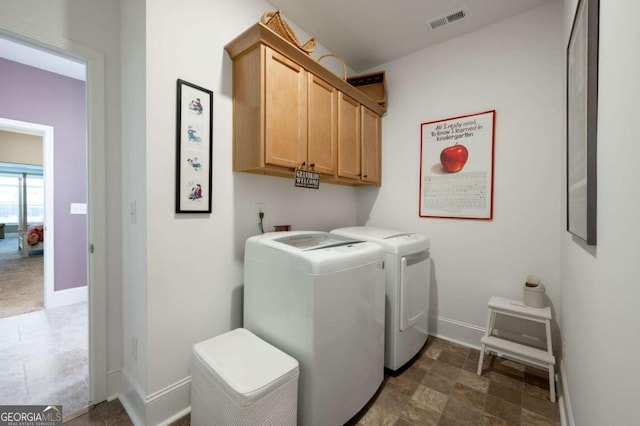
(320, 298)
(408, 279)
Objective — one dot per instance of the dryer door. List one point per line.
(414, 288)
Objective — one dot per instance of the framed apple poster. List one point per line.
(456, 167)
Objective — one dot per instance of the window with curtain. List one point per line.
(10, 199)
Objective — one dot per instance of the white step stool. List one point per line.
(239, 379)
(520, 352)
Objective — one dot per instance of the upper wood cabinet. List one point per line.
(371, 140)
(359, 142)
(322, 125)
(349, 146)
(289, 111)
(285, 111)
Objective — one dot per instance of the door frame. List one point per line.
(96, 194)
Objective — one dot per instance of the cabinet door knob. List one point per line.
(312, 165)
(365, 175)
(303, 164)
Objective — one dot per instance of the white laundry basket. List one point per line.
(239, 379)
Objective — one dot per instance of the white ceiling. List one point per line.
(42, 59)
(367, 33)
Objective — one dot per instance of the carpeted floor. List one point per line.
(21, 280)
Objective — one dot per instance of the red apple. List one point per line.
(453, 158)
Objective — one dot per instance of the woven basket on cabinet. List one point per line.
(276, 23)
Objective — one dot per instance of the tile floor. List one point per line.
(44, 358)
(105, 413)
(439, 387)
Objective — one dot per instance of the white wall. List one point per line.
(134, 229)
(191, 288)
(600, 292)
(515, 68)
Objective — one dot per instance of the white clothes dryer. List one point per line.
(407, 270)
(320, 298)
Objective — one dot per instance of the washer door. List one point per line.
(414, 288)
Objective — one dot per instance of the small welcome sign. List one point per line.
(307, 179)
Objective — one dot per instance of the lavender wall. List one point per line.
(37, 96)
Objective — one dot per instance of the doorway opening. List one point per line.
(39, 370)
(94, 62)
(46, 353)
(27, 203)
(22, 277)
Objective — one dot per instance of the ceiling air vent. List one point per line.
(447, 19)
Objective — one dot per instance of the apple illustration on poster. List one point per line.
(453, 158)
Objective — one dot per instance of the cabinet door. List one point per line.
(348, 137)
(285, 111)
(322, 126)
(371, 146)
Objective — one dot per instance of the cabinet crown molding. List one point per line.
(260, 34)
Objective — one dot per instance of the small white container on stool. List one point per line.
(239, 379)
(534, 295)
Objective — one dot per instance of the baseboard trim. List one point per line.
(160, 408)
(564, 401)
(168, 404)
(176, 417)
(166, 391)
(456, 331)
(132, 399)
(66, 297)
(114, 383)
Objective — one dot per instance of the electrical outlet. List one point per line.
(260, 207)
